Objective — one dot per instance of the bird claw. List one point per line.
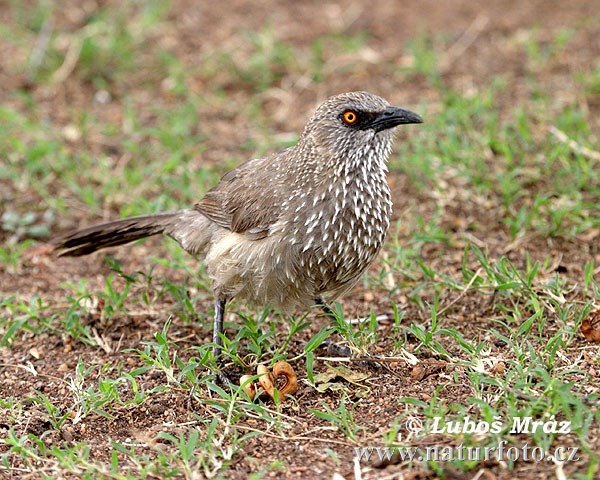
(335, 350)
(223, 379)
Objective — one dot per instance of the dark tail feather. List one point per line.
(117, 232)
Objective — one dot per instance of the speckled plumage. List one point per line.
(288, 228)
(304, 222)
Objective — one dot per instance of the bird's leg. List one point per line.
(321, 302)
(334, 348)
(218, 326)
(217, 340)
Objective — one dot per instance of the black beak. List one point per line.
(392, 117)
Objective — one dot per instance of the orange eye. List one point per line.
(350, 117)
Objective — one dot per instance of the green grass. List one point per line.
(499, 165)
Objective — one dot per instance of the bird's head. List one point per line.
(352, 121)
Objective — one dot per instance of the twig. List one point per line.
(34, 372)
(39, 49)
(462, 294)
(71, 58)
(520, 239)
(243, 402)
(389, 370)
(386, 360)
(573, 145)
(296, 437)
(101, 341)
(465, 41)
(378, 318)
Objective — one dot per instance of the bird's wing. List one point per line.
(246, 199)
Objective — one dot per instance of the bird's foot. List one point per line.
(226, 377)
(335, 350)
(222, 378)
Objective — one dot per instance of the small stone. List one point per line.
(157, 408)
(71, 133)
(417, 373)
(102, 97)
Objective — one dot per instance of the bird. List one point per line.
(291, 230)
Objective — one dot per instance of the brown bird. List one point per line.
(289, 230)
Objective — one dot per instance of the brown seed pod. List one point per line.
(250, 388)
(590, 332)
(266, 380)
(291, 380)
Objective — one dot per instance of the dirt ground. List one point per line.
(195, 27)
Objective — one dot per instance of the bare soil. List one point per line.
(194, 27)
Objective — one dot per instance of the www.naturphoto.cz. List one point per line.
(329, 240)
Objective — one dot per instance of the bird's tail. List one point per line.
(117, 232)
